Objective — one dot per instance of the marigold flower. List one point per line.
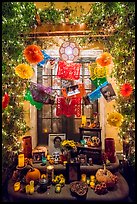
(104, 59)
(24, 71)
(33, 54)
(115, 119)
(126, 90)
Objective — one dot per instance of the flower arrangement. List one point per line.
(33, 54)
(24, 71)
(68, 144)
(115, 119)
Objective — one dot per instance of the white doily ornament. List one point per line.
(69, 51)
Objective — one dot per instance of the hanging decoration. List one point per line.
(115, 119)
(68, 107)
(28, 97)
(24, 71)
(96, 93)
(108, 92)
(74, 91)
(5, 100)
(69, 71)
(97, 74)
(33, 54)
(69, 51)
(41, 93)
(126, 90)
(104, 59)
(46, 58)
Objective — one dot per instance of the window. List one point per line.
(47, 121)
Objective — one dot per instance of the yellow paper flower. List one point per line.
(24, 71)
(100, 72)
(115, 119)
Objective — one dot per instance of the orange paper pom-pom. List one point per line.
(126, 90)
(104, 59)
(33, 54)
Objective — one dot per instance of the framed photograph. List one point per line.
(87, 138)
(37, 157)
(108, 92)
(54, 142)
(72, 172)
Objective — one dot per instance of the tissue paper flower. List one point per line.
(126, 90)
(24, 71)
(104, 59)
(115, 119)
(33, 54)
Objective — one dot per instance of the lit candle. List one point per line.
(21, 160)
(83, 177)
(16, 186)
(50, 172)
(31, 189)
(27, 188)
(32, 183)
(84, 120)
(92, 178)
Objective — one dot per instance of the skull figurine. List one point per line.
(56, 157)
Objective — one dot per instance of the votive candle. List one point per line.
(27, 188)
(31, 189)
(32, 183)
(16, 186)
(21, 160)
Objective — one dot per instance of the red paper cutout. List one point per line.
(77, 91)
(73, 107)
(68, 71)
(5, 100)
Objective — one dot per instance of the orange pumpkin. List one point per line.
(32, 174)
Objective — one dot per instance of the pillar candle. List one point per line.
(84, 120)
(21, 160)
(16, 186)
(83, 177)
(50, 172)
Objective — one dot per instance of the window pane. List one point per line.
(46, 81)
(46, 111)
(46, 125)
(57, 126)
(77, 125)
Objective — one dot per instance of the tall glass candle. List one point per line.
(27, 146)
(110, 149)
(21, 160)
(27, 187)
(84, 120)
(50, 173)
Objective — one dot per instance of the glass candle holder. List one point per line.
(50, 173)
(83, 177)
(21, 160)
(44, 160)
(16, 186)
(27, 146)
(110, 149)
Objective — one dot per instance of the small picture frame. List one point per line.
(37, 157)
(72, 172)
(108, 92)
(54, 142)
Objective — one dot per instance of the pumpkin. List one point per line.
(32, 174)
(105, 176)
